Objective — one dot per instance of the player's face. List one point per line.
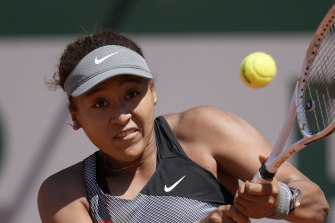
(117, 115)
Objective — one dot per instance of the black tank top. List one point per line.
(179, 191)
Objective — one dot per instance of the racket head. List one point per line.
(315, 89)
(315, 116)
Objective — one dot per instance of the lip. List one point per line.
(126, 134)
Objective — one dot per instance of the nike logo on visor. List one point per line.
(168, 189)
(99, 61)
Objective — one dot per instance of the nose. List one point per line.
(120, 116)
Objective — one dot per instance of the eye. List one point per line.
(132, 94)
(100, 103)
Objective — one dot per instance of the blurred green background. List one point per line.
(53, 18)
(43, 17)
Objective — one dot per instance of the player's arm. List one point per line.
(236, 148)
(256, 200)
(61, 198)
(241, 158)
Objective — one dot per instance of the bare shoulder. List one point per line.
(67, 182)
(206, 121)
(219, 139)
(63, 193)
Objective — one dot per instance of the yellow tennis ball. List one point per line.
(258, 69)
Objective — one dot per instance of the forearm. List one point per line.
(314, 206)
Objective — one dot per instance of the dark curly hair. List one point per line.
(76, 50)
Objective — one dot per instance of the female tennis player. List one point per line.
(181, 167)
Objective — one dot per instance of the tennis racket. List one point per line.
(313, 100)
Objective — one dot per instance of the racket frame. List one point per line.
(297, 110)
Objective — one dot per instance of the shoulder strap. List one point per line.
(101, 180)
(93, 176)
(167, 142)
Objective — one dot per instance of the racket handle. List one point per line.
(263, 175)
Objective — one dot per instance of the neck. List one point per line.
(108, 163)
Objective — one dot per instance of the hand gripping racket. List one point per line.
(313, 100)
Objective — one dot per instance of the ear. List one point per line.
(76, 123)
(154, 95)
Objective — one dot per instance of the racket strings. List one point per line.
(319, 93)
(325, 91)
(323, 86)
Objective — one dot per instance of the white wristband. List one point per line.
(285, 197)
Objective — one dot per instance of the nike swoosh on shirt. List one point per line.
(99, 61)
(168, 189)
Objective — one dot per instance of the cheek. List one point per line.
(97, 134)
(92, 125)
(146, 112)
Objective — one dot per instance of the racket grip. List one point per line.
(263, 175)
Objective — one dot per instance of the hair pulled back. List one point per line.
(76, 50)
